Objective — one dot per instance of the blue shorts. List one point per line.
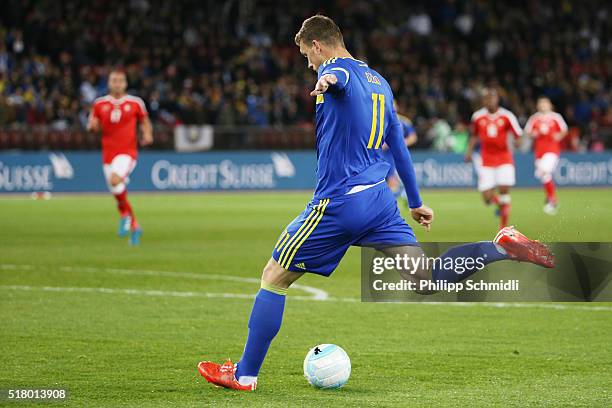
(318, 238)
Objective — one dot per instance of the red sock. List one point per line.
(549, 187)
(504, 215)
(124, 207)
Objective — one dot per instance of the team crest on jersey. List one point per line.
(500, 122)
(127, 108)
(105, 108)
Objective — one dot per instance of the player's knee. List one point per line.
(115, 180)
(487, 197)
(118, 188)
(545, 177)
(276, 276)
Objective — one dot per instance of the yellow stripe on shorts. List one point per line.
(314, 223)
(282, 236)
(282, 241)
(297, 233)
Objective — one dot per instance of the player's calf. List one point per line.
(550, 205)
(490, 197)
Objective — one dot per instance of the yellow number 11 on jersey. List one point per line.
(377, 123)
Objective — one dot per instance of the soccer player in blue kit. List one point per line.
(352, 204)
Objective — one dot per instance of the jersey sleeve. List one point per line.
(561, 122)
(403, 160)
(472, 126)
(141, 112)
(514, 125)
(529, 125)
(333, 67)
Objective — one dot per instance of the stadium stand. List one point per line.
(237, 65)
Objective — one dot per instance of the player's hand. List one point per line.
(146, 140)
(423, 215)
(323, 84)
(93, 125)
(468, 157)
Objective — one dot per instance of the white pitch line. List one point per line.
(140, 292)
(11, 267)
(317, 294)
(163, 293)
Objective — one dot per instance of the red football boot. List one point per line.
(223, 375)
(521, 248)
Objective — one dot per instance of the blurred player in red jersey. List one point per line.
(495, 164)
(117, 115)
(548, 129)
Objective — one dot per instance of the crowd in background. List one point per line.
(235, 62)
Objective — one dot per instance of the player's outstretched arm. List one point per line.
(147, 132)
(470, 148)
(324, 83)
(420, 213)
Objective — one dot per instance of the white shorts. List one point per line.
(122, 165)
(491, 177)
(545, 166)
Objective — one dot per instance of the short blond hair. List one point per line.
(320, 28)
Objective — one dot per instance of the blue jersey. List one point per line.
(352, 121)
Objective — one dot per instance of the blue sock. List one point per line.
(487, 251)
(264, 324)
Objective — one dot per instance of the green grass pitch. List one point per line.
(164, 308)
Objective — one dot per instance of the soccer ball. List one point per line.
(327, 366)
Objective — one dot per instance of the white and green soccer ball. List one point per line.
(327, 366)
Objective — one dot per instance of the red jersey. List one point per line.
(492, 130)
(118, 119)
(545, 126)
